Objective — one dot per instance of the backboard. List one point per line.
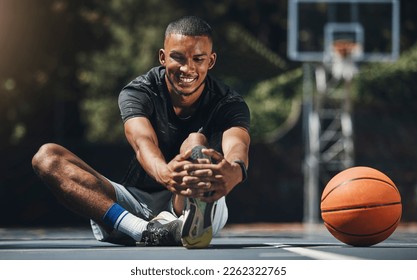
(315, 25)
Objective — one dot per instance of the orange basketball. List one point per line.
(361, 206)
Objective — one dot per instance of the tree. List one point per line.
(137, 36)
(40, 41)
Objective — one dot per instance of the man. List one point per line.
(189, 133)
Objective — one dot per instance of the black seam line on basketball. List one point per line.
(360, 178)
(364, 235)
(360, 207)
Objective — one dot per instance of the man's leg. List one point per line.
(163, 229)
(83, 190)
(201, 220)
(193, 140)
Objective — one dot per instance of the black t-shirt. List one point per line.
(219, 108)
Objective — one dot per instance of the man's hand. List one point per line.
(217, 178)
(172, 176)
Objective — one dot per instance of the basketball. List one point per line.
(361, 206)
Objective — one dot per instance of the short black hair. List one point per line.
(189, 26)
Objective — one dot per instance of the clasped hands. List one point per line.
(202, 179)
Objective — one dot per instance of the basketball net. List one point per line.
(344, 55)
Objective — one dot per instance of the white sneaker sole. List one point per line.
(197, 231)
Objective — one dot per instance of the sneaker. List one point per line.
(163, 230)
(197, 229)
(196, 154)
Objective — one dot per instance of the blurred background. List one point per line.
(63, 63)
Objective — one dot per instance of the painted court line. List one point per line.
(319, 255)
(277, 255)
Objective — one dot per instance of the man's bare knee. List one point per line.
(197, 137)
(46, 157)
(194, 139)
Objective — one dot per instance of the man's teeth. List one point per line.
(187, 80)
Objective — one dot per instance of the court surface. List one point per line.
(235, 242)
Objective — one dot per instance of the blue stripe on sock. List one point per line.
(122, 216)
(113, 214)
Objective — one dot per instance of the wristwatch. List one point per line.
(244, 171)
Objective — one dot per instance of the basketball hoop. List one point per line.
(347, 49)
(344, 54)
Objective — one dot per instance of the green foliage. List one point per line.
(136, 38)
(82, 52)
(69, 57)
(271, 103)
(39, 42)
(389, 83)
(104, 114)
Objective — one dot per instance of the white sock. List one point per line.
(131, 225)
(120, 219)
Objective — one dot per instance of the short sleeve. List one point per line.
(134, 103)
(234, 114)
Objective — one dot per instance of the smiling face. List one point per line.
(187, 60)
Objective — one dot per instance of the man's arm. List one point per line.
(142, 137)
(235, 145)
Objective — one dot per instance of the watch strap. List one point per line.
(244, 170)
